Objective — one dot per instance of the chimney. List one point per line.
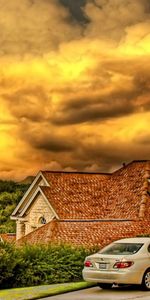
(124, 164)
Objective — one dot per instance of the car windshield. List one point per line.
(121, 248)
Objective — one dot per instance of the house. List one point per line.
(85, 208)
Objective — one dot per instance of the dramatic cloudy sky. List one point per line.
(74, 85)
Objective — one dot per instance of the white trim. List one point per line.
(18, 218)
(47, 183)
(32, 198)
(28, 191)
(13, 218)
(29, 202)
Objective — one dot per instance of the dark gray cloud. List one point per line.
(74, 84)
(109, 155)
(53, 143)
(98, 109)
(110, 19)
(32, 103)
(76, 9)
(130, 96)
(45, 139)
(43, 25)
(34, 27)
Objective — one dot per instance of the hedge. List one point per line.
(40, 264)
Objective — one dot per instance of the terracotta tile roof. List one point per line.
(8, 237)
(54, 175)
(96, 208)
(87, 233)
(98, 196)
(74, 195)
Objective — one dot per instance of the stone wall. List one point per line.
(39, 209)
(20, 229)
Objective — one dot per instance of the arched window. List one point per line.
(42, 220)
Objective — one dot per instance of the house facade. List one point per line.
(85, 208)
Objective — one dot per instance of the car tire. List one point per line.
(146, 280)
(105, 286)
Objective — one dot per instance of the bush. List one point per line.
(9, 260)
(39, 264)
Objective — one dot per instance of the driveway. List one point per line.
(126, 293)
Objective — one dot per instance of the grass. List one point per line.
(42, 291)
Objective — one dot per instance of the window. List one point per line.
(42, 220)
(121, 248)
(148, 248)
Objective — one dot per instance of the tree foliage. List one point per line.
(10, 194)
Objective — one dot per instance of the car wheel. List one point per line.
(146, 280)
(105, 286)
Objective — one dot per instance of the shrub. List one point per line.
(39, 264)
(9, 259)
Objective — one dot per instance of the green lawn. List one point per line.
(41, 291)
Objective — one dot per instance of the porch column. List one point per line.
(20, 230)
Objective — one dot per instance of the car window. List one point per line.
(121, 248)
(148, 248)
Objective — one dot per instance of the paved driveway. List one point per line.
(126, 293)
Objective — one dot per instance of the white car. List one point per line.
(126, 261)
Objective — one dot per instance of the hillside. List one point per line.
(10, 194)
(27, 180)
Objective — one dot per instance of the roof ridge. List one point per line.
(95, 173)
(124, 166)
(140, 160)
(75, 172)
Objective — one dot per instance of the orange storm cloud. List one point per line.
(73, 95)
